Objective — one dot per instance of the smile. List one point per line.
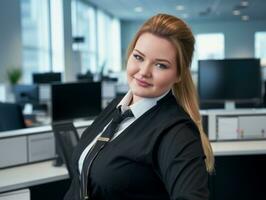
(142, 83)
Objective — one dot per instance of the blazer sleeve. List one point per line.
(180, 163)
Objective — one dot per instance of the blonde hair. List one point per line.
(176, 31)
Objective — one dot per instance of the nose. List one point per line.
(145, 69)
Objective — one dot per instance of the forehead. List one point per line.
(155, 46)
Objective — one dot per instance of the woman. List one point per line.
(160, 151)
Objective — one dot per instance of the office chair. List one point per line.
(11, 117)
(66, 138)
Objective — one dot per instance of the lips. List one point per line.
(142, 83)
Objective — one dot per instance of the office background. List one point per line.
(76, 36)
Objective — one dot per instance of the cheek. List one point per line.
(166, 80)
(131, 68)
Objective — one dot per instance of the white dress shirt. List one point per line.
(138, 109)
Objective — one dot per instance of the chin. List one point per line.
(143, 94)
(139, 92)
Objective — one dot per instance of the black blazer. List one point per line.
(159, 156)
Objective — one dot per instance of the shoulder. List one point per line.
(103, 117)
(109, 108)
(180, 133)
(180, 143)
(179, 139)
(171, 114)
(176, 131)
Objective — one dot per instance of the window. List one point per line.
(84, 32)
(260, 47)
(40, 52)
(57, 43)
(109, 43)
(100, 44)
(35, 37)
(208, 46)
(114, 54)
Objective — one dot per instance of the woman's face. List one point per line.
(151, 67)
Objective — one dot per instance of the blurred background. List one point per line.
(63, 61)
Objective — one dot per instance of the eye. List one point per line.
(161, 66)
(138, 57)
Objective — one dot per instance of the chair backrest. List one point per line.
(11, 117)
(67, 138)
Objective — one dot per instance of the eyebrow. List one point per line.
(163, 60)
(139, 52)
(157, 59)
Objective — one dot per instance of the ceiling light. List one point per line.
(138, 9)
(236, 12)
(179, 8)
(245, 17)
(244, 3)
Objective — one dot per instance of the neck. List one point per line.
(134, 99)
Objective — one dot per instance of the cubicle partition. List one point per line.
(239, 124)
(29, 145)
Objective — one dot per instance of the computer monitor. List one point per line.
(26, 94)
(46, 78)
(11, 117)
(230, 80)
(76, 100)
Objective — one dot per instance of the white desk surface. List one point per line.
(29, 175)
(40, 129)
(227, 148)
(44, 172)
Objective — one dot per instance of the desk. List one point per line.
(30, 175)
(30, 145)
(244, 147)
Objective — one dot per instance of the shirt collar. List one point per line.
(141, 106)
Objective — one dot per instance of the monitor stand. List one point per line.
(229, 105)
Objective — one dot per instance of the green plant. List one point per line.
(14, 75)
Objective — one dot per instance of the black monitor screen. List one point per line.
(230, 79)
(76, 100)
(46, 78)
(11, 117)
(26, 94)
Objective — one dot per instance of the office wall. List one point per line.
(128, 30)
(239, 35)
(10, 37)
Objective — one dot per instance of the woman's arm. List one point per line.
(180, 163)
